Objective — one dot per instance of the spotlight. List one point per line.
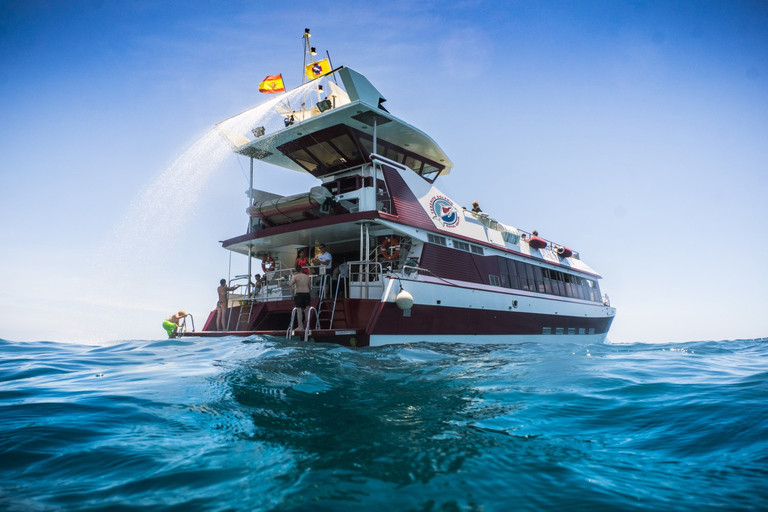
(323, 105)
(306, 32)
(258, 131)
(313, 51)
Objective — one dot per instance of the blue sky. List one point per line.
(634, 132)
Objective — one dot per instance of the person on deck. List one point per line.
(303, 261)
(476, 207)
(300, 285)
(323, 259)
(171, 324)
(221, 305)
(256, 286)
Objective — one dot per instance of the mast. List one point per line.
(308, 50)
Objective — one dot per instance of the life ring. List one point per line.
(268, 263)
(390, 249)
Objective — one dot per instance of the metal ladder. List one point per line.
(245, 313)
(294, 316)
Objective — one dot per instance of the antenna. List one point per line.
(307, 50)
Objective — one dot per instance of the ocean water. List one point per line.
(261, 424)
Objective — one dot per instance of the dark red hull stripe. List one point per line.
(444, 320)
(373, 317)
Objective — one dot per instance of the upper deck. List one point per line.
(334, 133)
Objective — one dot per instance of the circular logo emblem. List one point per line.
(444, 211)
(317, 69)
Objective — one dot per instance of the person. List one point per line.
(221, 305)
(256, 287)
(476, 207)
(303, 261)
(535, 233)
(342, 272)
(322, 259)
(300, 284)
(171, 324)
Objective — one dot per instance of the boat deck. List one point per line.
(348, 337)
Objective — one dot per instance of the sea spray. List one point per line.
(129, 276)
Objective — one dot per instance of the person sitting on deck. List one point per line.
(256, 287)
(171, 324)
(476, 207)
(221, 305)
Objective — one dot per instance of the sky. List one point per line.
(635, 132)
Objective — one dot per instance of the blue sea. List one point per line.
(261, 424)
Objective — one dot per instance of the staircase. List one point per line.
(244, 318)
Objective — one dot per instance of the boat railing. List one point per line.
(526, 237)
(366, 279)
(183, 325)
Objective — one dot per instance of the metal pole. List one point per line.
(250, 223)
(367, 256)
(373, 166)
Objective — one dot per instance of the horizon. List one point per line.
(632, 132)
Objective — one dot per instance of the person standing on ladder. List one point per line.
(300, 285)
(221, 305)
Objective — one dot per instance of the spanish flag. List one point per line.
(318, 69)
(272, 84)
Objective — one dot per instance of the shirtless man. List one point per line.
(171, 324)
(221, 305)
(299, 285)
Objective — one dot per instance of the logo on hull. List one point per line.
(444, 211)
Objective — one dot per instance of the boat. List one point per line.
(409, 263)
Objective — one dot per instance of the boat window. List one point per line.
(513, 279)
(367, 146)
(326, 154)
(525, 276)
(477, 249)
(395, 155)
(439, 240)
(464, 246)
(531, 280)
(304, 159)
(538, 278)
(346, 145)
(413, 163)
(493, 280)
(522, 275)
(504, 276)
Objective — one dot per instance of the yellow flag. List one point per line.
(272, 84)
(318, 69)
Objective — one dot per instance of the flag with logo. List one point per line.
(272, 84)
(318, 69)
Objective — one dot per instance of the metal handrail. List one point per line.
(183, 325)
(290, 329)
(317, 322)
